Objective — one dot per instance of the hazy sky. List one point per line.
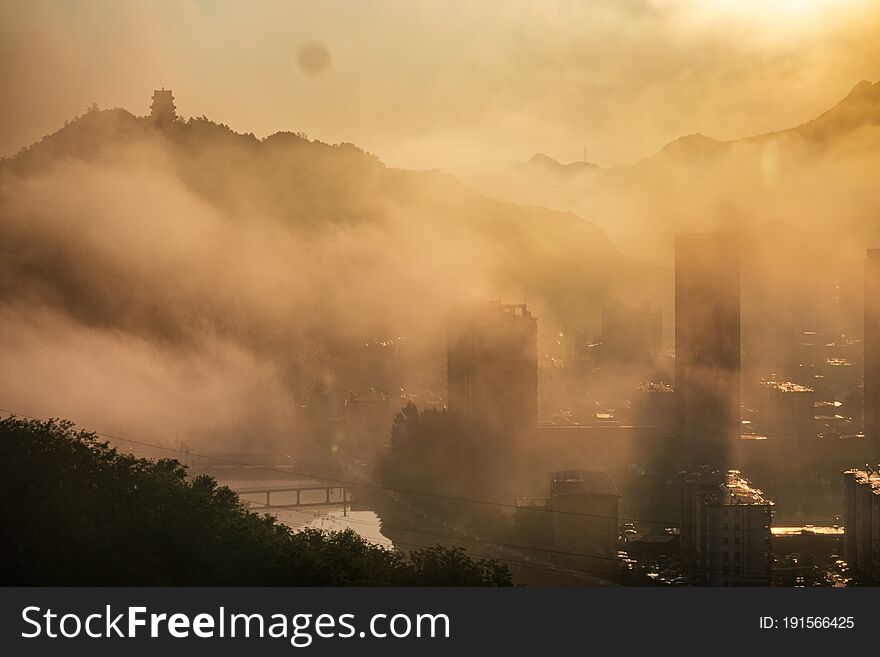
(443, 83)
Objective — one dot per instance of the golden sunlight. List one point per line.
(778, 9)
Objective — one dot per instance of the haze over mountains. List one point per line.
(818, 177)
(197, 274)
(190, 280)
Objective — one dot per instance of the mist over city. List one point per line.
(440, 294)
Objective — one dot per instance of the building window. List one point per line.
(724, 541)
(736, 540)
(724, 526)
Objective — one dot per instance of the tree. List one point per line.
(447, 467)
(75, 511)
(433, 451)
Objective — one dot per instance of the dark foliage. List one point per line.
(435, 452)
(449, 468)
(75, 511)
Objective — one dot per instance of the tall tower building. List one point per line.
(162, 109)
(861, 517)
(872, 350)
(707, 346)
(492, 362)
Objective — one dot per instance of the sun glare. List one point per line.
(791, 9)
(769, 18)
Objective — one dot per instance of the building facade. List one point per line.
(162, 109)
(725, 529)
(707, 346)
(861, 521)
(585, 505)
(492, 366)
(872, 351)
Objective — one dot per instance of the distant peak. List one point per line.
(865, 86)
(864, 92)
(694, 144)
(859, 108)
(547, 163)
(695, 138)
(542, 160)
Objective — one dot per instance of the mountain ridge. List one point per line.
(309, 192)
(859, 108)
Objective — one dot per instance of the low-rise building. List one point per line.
(725, 529)
(580, 515)
(585, 505)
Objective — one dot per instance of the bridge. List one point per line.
(330, 495)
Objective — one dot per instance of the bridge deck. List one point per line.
(288, 488)
(341, 498)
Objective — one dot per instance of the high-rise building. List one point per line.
(631, 334)
(725, 528)
(653, 404)
(707, 346)
(861, 521)
(493, 366)
(162, 109)
(872, 350)
(786, 413)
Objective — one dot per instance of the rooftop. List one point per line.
(807, 530)
(654, 386)
(532, 502)
(737, 490)
(786, 386)
(869, 476)
(492, 308)
(566, 482)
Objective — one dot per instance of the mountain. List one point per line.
(547, 165)
(813, 177)
(189, 230)
(189, 280)
(859, 109)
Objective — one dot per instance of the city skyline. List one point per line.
(470, 294)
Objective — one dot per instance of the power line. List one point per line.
(523, 562)
(486, 542)
(483, 541)
(683, 568)
(458, 537)
(367, 485)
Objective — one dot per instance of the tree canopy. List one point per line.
(75, 511)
